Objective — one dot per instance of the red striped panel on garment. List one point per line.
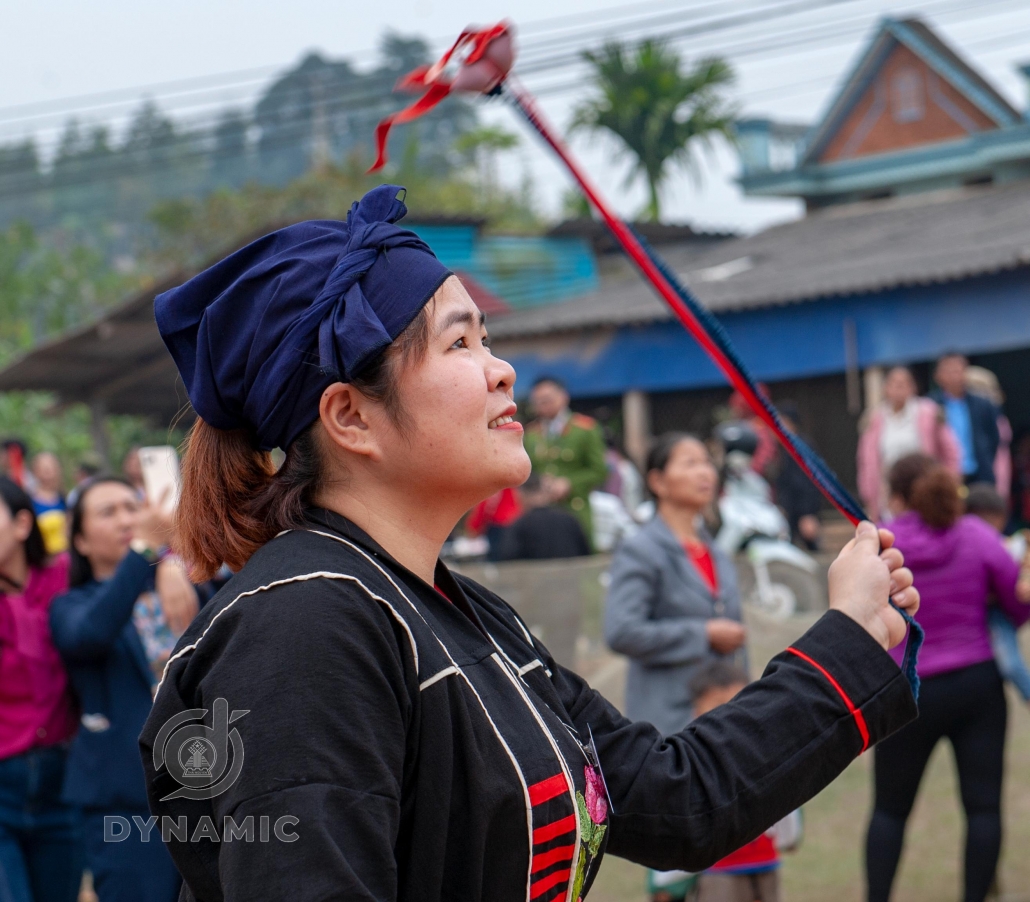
(543, 860)
(538, 887)
(547, 789)
(548, 887)
(558, 828)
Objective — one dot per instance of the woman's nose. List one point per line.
(500, 374)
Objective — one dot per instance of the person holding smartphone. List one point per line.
(115, 628)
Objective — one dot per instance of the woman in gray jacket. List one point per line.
(673, 601)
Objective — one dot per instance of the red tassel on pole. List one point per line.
(484, 67)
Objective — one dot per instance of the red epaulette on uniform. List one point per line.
(583, 421)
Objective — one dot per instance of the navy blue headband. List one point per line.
(259, 336)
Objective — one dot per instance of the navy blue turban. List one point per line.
(259, 336)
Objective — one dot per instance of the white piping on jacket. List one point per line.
(436, 677)
(318, 574)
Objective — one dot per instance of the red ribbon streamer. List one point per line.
(437, 87)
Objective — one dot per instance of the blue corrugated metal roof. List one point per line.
(522, 271)
(454, 245)
(903, 325)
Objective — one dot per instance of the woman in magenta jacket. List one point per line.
(40, 842)
(959, 564)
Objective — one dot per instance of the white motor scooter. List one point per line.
(784, 577)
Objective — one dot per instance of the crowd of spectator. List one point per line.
(960, 423)
(92, 601)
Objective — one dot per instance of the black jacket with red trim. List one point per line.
(399, 746)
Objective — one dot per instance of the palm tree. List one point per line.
(657, 110)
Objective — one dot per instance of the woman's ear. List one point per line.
(81, 545)
(655, 482)
(22, 524)
(350, 420)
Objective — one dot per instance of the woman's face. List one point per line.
(14, 530)
(109, 514)
(689, 478)
(898, 387)
(458, 439)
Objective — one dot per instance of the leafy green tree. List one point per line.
(191, 230)
(481, 147)
(231, 165)
(45, 289)
(574, 204)
(321, 113)
(657, 110)
(20, 179)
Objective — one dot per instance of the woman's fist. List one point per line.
(866, 575)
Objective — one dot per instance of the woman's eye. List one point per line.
(486, 341)
(460, 343)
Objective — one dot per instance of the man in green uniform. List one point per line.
(567, 450)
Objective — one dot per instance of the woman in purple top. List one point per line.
(959, 563)
(40, 848)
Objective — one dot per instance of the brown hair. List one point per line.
(234, 500)
(927, 488)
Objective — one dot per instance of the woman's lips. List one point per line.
(506, 422)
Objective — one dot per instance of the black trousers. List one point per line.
(968, 707)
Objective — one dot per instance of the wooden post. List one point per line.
(98, 430)
(636, 426)
(873, 379)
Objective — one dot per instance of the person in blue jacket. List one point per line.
(973, 419)
(114, 629)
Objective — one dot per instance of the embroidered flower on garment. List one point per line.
(593, 809)
(597, 805)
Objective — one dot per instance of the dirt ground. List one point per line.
(829, 864)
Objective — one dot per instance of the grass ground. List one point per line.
(829, 864)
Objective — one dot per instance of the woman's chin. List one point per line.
(521, 467)
(512, 473)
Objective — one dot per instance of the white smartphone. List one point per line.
(160, 466)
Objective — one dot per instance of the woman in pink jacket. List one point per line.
(903, 424)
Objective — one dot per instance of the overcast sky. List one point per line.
(57, 51)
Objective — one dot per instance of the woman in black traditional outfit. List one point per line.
(395, 726)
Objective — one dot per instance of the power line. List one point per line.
(546, 63)
(990, 44)
(549, 63)
(73, 103)
(530, 61)
(57, 113)
(787, 37)
(647, 23)
(823, 36)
